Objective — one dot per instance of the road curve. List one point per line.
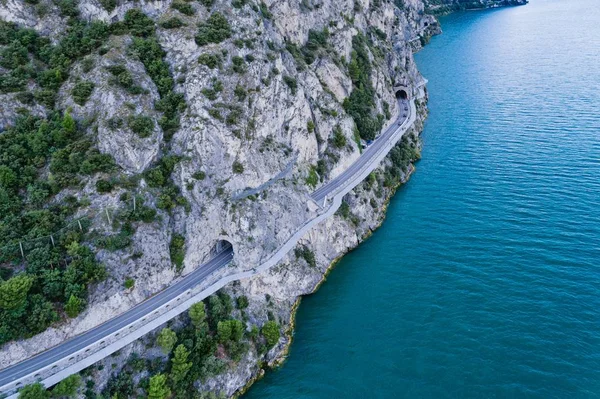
(366, 157)
(23, 370)
(79, 342)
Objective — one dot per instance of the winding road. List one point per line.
(365, 158)
(97, 333)
(73, 353)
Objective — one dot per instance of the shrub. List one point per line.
(118, 241)
(339, 140)
(114, 123)
(233, 116)
(240, 93)
(129, 283)
(270, 331)
(108, 5)
(171, 104)
(361, 103)
(242, 302)
(305, 253)
(239, 3)
(167, 339)
(33, 391)
(291, 83)
(210, 60)
(264, 10)
(215, 113)
(213, 92)
(73, 306)
(124, 78)
(199, 175)
(172, 23)
(141, 125)
(184, 8)
(238, 167)
(214, 30)
(87, 64)
(25, 97)
(45, 97)
(312, 179)
(68, 8)
(177, 250)
(343, 210)
(104, 186)
(82, 91)
(138, 23)
(207, 3)
(238, 64)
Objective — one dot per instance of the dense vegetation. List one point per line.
(67, 388)
(200, 350)
(214, 30)
(30, 58)
(38, 158)
(147, 49)
(361, 102)
(401, 156)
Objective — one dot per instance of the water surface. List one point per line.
(484, 281)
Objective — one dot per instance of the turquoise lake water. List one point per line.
(484, 281)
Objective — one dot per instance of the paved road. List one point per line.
(331, 187)
(79, 342)
(95, 334)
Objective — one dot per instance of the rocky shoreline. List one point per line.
(301, 123)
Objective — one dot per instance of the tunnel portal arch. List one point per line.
(220, 246)
(401, 93)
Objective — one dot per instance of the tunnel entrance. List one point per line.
(220, 246)
(401, 94)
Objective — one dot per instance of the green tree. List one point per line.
(73, 306)
(177, 250)
(215, 30)
(237, 330)
(8, 178)
(197, 313)
(242, 302)
(179, 364)
(270, 331)
(230, 330)
(13, 292)
(34, 391)
(67, 388)
(158, 388)
(138, 23)
(82, 91)
(339, 140)
(167, 340)
(68, 124)
(224, 331)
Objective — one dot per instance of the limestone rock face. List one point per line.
(267, 108)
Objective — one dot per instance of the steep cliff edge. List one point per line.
(195, 104)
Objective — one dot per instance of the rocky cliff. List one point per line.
(218, 119)
(439, 7)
